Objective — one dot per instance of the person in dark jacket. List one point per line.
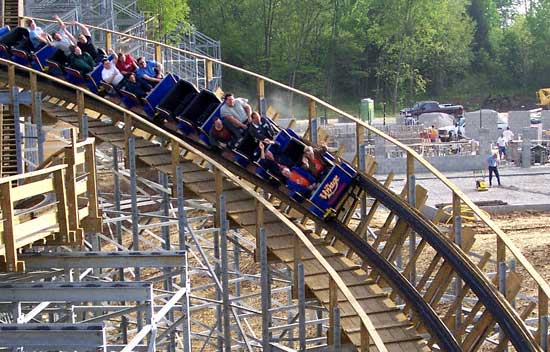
(80, 61)
(85, 42)
(260, 128)
(137, 87)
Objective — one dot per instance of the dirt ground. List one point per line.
(530, 232)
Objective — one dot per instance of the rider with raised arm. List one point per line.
(85, 42)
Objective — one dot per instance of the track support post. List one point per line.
(332, 306)
(209, 70)
(184, 278)
(80, 106)
(259, 225)
(411, 199)
(224, 273)
(297, 251)
(457, 227)
(301, 307)
(543, 319)
(260, 90)
(311, 115)
(361, 163)
(108, 41)
(265, 293)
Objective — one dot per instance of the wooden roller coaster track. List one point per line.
(343, 267)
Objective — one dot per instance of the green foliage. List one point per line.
(392, 50)
(169, 14)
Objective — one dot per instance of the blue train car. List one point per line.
(158, 93)
(41, 56)
(326, 198)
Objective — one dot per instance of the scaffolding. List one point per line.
(125, 17)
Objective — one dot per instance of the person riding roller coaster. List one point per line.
(223, 137)
(81, 61)
(86, 44)
(62, 41)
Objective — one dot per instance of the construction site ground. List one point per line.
(525, 217)
(522, 189)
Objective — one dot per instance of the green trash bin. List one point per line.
(366, 110)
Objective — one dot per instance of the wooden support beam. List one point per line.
(444, 275)
(93, 222)
(362, 228)
(80, 105)
(218, 187)
(10, 247)
(364, 347)
(260, 93)
(449, 316)
(486, 322)
(259, 226)
(209, 70)
(109, 41)
(297, 254)
(11, 75)
(65, 232)
(176, 159)
(359, 141)
(385, 228)
(401, 228)
(410, 171)
(542, 316)
(127, 134)
(72, 201)
(525, 313)
(311, 114)
(158, 53)
(501, 252)
(333, 303)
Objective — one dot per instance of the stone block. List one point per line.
(545, 119)
(474, 120)
(517, 120)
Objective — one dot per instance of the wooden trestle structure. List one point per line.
(381, 288)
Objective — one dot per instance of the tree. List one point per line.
(169, 14)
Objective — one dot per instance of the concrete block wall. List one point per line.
(545, 119)
(449, 163)
(518, 120)
(489, 120)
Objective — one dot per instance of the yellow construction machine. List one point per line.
(543, 97)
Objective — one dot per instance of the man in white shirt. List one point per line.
(508, 135)
(111, 74)
(501, 143)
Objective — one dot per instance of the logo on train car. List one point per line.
(330, 188)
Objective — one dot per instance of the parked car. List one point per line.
(450, 133)
(423, 107)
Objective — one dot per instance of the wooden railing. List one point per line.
(42, 206)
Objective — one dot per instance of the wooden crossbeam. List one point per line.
(486, 322)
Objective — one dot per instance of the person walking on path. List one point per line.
(492, 162)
